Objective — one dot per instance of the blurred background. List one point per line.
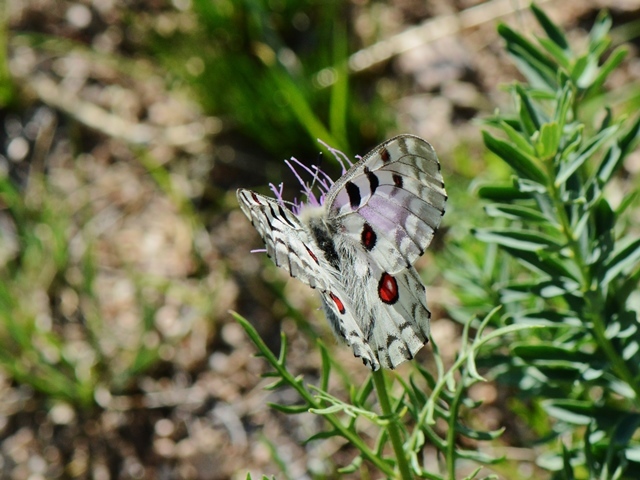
(125, 129)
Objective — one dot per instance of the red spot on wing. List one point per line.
(369, 237)
(312, 255)
(255, 198)
(388, 289)
(338, 302)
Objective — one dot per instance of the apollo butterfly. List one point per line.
(356, 244)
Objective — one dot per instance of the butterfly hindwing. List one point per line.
(384, 318)
(402, 317)
(354, 332)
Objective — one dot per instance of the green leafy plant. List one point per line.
(29, 351)
(577, 261)
(405, 412)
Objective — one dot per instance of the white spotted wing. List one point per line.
(288, 242)
(358, 248)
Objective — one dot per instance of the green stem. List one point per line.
(451, 433)
(426, 416)
(392, 428)
(296, 382)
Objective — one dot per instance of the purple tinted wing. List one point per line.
(391, 201)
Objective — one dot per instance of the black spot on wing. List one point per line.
(368, 363)
(284, 218)
(271, 226)
(384, 154)
(404, 326)
(354, 195)
(367, 331)
(373, 180)
(273, 214)
(397, 180)
(325, 243)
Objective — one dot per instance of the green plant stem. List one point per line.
(451, 433)
(286, 377)
(392, 428)
(426, 416)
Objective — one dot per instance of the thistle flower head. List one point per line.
(314, 190)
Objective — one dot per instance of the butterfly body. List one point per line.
(358, 247)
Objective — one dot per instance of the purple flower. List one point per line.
(319, 179)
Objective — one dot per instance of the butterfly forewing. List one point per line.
(397, 191)
(287, 241)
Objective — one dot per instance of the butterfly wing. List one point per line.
(339, 310)
(401, 325)
(287, 242)
(385, 210)
(378, 219)
(391, 202)
(381, 329)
